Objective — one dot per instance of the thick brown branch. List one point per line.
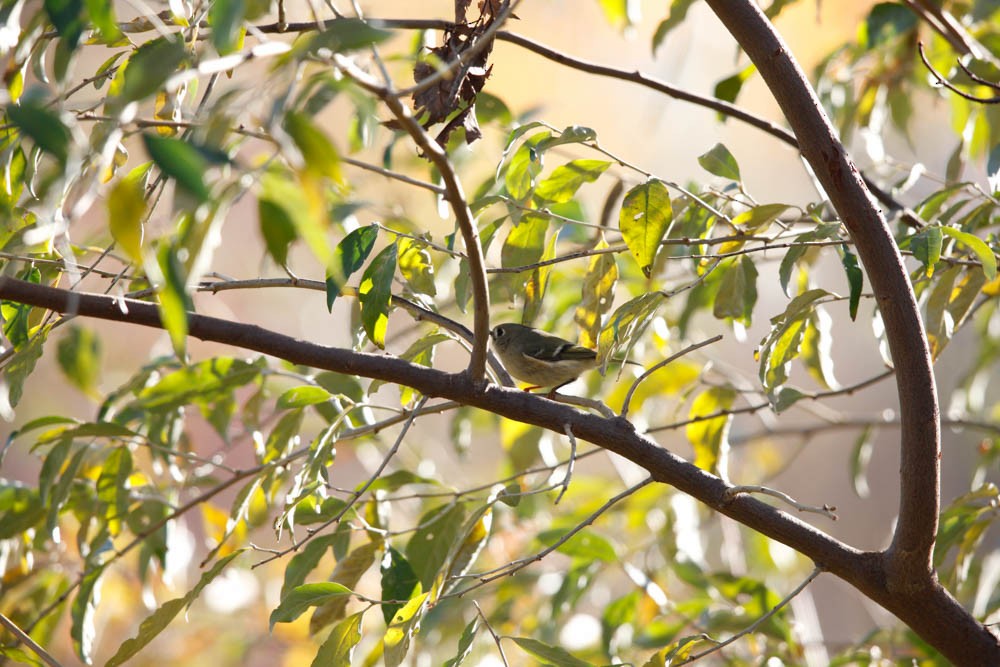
(931, 612)
(908, 567)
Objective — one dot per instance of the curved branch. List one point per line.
(933, 612)
(907, 564)
(455, 196)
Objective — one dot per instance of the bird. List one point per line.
(540, 358)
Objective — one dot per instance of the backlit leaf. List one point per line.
(126, 210)
(855, 279)
(861, 454)
(645, 216)
(565, 180)
(399, 582)
(709, 437)
(977, 246)
(547, 654)
(43, 126)
(401, 629)
(301, 598)
(225, 18)
(597, 295)
(720, 162)
(79, 355)
(338, 648)
(375, 294)
(737, 293)
(156, 622)
(349, 256)
(150, 66)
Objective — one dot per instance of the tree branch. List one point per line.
(455, 196)
(907, 563)
(933, 612)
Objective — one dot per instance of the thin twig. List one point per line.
(496, 638)
(26, 639)
(950, 86)
(756, 624)
(569, 466)
(455, 196)
(658, 366)
(825, 510)
(522, 563)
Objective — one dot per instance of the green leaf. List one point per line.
(300, 397)
(758, 218)
(737, 293)
(175, 302)
(855, 278)
(585, 545)
(181, 161)
(150, 67)
(796, 252)
(597, 295)
(305, 561)
(126, 209)
(861, 454)
(993, 169)
(225, 17)
(400, 478)
(398, 582)
(464, 643)
(977, 246)
(885, 22)
(348, 572)
(678, 11)
(79, 355)
(338, 648)
(549, 655)
(645, 216)
(345, 35)
(82, 629)
(720, 162)
(301, 598)
(416, 266)
(525, 243)
(926, 247)
(626, 326)
(67, 16)
(21, 508)
(375, 294)
(728, 89)
(156, 622)
(710, 436)
(562, 184)
(401, 629)
(102, 14)
(785, 397)
(781, 345)
(348, 257)
(43, 126)
(113, 488)
(319, 155)
(21, 365)
(204, 381)
(524, 167)
(440, 530)
(277, 228)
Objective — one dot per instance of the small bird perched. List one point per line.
(539, 358)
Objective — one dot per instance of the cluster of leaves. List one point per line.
(663, 263)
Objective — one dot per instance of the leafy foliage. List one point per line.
(133, 163)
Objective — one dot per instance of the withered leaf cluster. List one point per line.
(452, 99)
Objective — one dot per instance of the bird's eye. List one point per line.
(500, 333)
